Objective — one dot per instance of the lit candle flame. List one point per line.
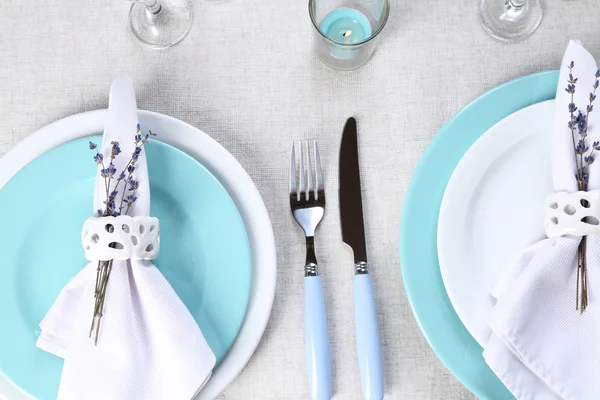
(347, 33)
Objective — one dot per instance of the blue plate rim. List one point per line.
(465, 374)
(183, 155)
(236, 180)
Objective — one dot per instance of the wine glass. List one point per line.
(161, 23)
(510, 20)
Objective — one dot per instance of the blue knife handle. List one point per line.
(367, 338)
(318, 356)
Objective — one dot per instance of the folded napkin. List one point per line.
(149, 346)
(541, 346)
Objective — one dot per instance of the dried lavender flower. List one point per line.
(111, 209)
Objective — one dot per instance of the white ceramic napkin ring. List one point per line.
(120, 238)
(576, 214)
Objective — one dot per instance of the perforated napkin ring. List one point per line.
(576, 214)
(121, 238)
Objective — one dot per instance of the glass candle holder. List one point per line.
(346, 32)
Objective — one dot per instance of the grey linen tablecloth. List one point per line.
(246, 76)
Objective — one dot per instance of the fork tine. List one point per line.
(309, 186)
(293, 187)
(301, 187)
(318, 173)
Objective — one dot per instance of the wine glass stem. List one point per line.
(153, 6)
(515, 4)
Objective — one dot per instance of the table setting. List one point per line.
(226, 199)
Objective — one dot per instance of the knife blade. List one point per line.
(368, 344)
(351, 214)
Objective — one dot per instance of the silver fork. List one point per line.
(307, 201)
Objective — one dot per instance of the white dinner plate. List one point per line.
(235, 180)
(492, 210)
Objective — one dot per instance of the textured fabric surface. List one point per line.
(149, 346)
(247, 76)
(538, 335)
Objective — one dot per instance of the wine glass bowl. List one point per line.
(510, 20)
(161, 24)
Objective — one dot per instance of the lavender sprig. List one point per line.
(128, 198)
(572, 121)
(584, 157)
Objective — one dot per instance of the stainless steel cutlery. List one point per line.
(353, 233)
(307, 201)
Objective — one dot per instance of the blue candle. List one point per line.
(345, 25)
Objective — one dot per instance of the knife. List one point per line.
(353, 234)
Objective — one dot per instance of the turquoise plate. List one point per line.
(425, 289)
(205, 253)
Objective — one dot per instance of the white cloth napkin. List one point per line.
(541, 346)
(149, 346)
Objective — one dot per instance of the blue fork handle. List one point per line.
(317, 339)
(367, 338)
